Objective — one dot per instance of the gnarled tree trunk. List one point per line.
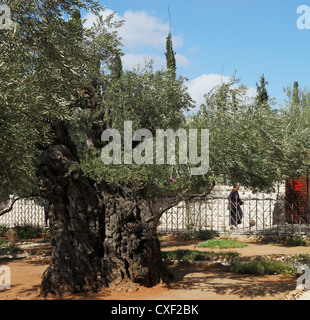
(97, 238)
(100, 235)
(132, 255)
(76, 221)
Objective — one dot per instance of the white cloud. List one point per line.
(252, 92)
(143, 29)
(194, 49)
(200, 86)
(140, 29)
(90, 18)
(181, 60)
(132, 60)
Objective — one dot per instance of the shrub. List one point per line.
(6, 247)
(28, 232)
(204, 234)
(303, 256)
(296, 240)
(261, 267)
(195, 255)
(3, 230)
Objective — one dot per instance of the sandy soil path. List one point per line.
(191, 282)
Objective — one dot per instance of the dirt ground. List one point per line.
(191, 281)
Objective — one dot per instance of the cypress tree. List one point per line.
(295, 97)
(262, 94)
(170, 54)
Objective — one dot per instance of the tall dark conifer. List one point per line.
(170, 54)
(295, 106)
(262, 94)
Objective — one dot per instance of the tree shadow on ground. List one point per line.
(217, 280)
(41, 262)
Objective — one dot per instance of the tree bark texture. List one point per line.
(99, 237)
(132, 255)
(74, 217)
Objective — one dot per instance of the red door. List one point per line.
(296, 204)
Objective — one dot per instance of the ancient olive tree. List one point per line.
(62, 87)
(43, 63)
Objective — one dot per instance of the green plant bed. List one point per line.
(261, 267)
(6, 247)
(296, 240)
(196, 255)
(28, 232)
(222, 244)
(3, 230)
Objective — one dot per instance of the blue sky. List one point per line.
(213, 38)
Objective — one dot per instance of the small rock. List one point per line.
(167, 261)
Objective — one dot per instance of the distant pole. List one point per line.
(169, 18)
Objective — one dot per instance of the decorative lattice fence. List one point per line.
(260, 216)
(24, 212)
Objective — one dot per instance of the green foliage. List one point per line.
(303, 256)
(27, 232)
(7, 247)
(248, 142)
(222, 244)
(170, 56)
(296, 240)
(261, 267)
(296, 116)
(150, 100)
(262, 94)
(45, 60)
(204, 234)
(196, 255)
(4, 230)
(117, 67)
(41, 67)
(102, 53)
(295, 99)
